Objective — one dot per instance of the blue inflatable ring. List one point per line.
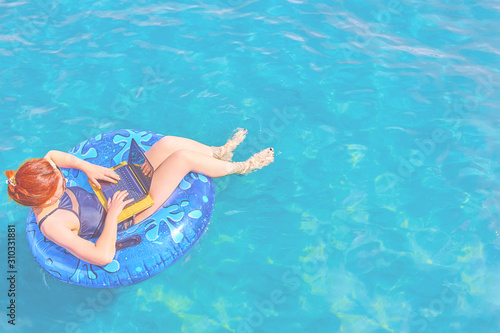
(144, 249)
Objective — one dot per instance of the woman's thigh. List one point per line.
(166, 178)
(167, 145)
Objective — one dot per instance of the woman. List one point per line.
(71, 216)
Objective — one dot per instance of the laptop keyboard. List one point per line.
(125, 184)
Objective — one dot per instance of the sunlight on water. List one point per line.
(381, 210)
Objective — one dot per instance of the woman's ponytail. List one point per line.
(33, 184)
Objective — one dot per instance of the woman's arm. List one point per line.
(96, 254)
(107, 240)
(103, 251)
(66, 160)
(94, 172)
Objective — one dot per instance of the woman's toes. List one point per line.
(239, 136)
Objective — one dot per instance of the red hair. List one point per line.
(34, 183)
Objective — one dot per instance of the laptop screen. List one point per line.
(136, 159)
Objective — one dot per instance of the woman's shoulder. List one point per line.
(59, 217)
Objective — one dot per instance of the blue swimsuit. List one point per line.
(89, 211)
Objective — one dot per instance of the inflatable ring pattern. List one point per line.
(144, 249)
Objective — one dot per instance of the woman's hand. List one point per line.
(95, 172)
(146, 169)
(118, 202)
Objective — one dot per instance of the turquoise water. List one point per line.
(381, 211)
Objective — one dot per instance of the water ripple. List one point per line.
(385, 115)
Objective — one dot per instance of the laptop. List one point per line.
(133, 180)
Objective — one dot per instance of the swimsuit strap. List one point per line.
(74, 204)
(43, 219)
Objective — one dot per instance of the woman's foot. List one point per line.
(225, 152)
(257, 161)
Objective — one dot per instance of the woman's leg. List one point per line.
(164, 147)
(170, 173)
